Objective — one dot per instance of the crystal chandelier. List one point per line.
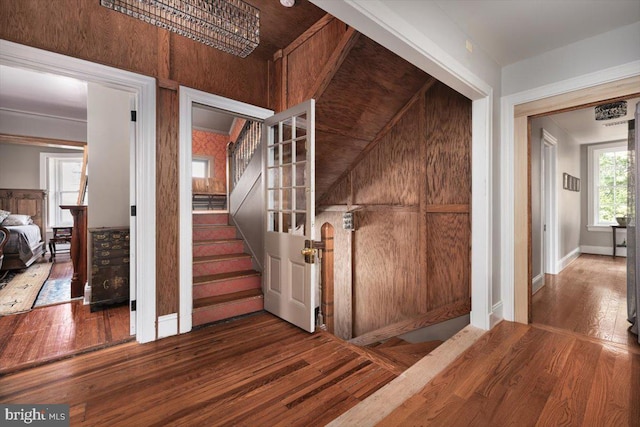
(611, 110)
(232, 26)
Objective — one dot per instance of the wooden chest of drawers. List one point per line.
(109, 279)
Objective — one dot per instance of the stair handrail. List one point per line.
(242, 151)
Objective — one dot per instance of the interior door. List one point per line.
(289, 169)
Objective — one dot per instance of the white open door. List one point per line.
(289, 282)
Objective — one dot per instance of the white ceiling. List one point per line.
(210, 119)
(583, 127)
(41, 93)
(513, 30)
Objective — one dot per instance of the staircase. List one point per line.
(225, 284)
(401, 353)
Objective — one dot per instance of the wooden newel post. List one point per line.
(78, 248)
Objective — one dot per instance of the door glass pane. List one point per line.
(274, 199)
(286, 222)
(286, 153)
(286, 199)
(301, 175)
(273, 221)
(287, 133)
(286, 176)
(273, 156)
(301, 199)
(301, 125)
(301, 150)
(273, 178)
(301, 219)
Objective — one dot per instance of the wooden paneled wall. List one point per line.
(296, 68)
(410, 194)
(84, 29)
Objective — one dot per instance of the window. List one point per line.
(61, 173)
(200, 168)
(608, 166)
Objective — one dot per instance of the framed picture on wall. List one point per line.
(565, 181)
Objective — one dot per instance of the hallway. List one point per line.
(587, 298)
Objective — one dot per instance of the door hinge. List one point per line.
(134, 115)
(133, 211)
(133, 305)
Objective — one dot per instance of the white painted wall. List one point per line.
(20, 164)
(108, 139)
(27, 124)
(610, 49)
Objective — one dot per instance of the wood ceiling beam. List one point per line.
(310, 32)
(42, 142)
(336, 59)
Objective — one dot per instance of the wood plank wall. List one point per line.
(296, 68)
(84, 29)
(411, 196)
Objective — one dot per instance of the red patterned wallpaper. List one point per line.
(212, 145)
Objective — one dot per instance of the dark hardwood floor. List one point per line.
(589, 298)
(253, 371)
(52, 332)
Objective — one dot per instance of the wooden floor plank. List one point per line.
(220, 375)
(62, 330)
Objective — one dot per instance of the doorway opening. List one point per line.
(139, 94)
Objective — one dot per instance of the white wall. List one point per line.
(27, 124)
(20, 164)
(108, 140)
(610, 49)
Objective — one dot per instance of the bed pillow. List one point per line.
(3, 215)
(17, 219)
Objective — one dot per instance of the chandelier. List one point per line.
(232, 26)
(612, 110)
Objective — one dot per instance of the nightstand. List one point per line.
(60, 235)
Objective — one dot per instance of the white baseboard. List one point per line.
(167, 325)
(603, 250)
(569, 258)
(496, 314)
(537, 283)
(87, 295)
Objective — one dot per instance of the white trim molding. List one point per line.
(550, 202)
(507, 174)
(167, 325)
(537, 283)
(603, 250)
(568, 259)
(144, 90)
(189, 96)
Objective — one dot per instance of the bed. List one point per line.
(27, 239)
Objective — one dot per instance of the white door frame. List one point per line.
(549, 214)
(508, 137)
(144, 89)
(189, 96)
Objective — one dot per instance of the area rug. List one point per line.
(54, 292)
(21, 292)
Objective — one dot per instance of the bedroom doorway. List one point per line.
(142, 90)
